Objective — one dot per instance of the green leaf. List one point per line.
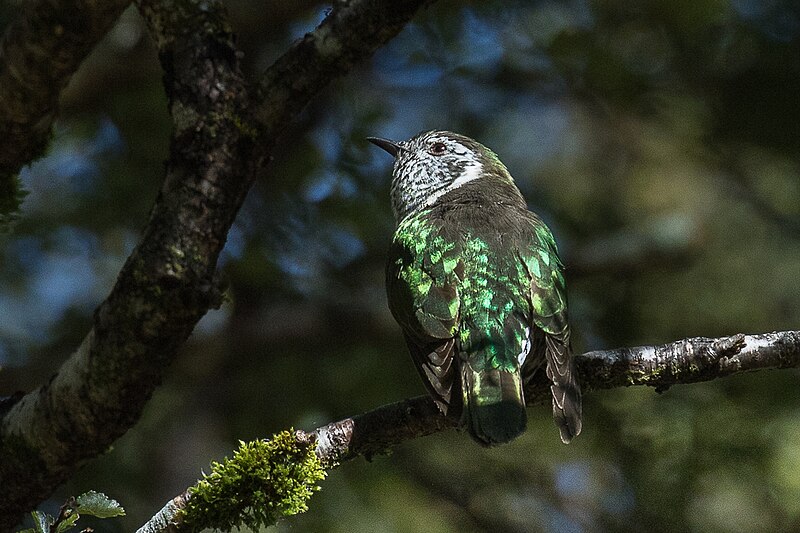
(99, 505)
(67, 523)
(41, 522)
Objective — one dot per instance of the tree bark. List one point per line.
(221, 136)
(39, 52)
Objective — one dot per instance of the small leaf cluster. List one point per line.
(11, 196)
(91, 504)
(264, 480)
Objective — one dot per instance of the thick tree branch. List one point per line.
(39, 52)
(165, 287)
(168, 282)
(684, 361)
(353, 29)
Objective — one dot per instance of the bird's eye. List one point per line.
(438, 148)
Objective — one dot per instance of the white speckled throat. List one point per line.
(429, 166)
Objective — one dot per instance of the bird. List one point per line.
(475, 282)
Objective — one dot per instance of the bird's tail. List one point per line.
(494, 407)
(564, 388)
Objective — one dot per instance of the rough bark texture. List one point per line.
(39, 52)
(165, 287)
(684, 361)
(377, 431)
(166, 520)
(168, 284)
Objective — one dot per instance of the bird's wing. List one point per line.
(548, 300)
(422, 286)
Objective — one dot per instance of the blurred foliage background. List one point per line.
(661, 142)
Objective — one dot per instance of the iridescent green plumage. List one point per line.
(475, 282)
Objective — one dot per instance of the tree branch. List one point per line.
(351, 31)
(168, 283)
(165, 287)
(39, 52)
(685, 361)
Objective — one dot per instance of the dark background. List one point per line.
(660, 140)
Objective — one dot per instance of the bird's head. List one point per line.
(434, 163)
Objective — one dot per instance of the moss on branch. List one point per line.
(264, 481)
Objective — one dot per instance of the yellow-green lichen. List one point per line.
(245, 127)
(264, 480)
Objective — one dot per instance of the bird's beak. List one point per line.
(390, 146)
